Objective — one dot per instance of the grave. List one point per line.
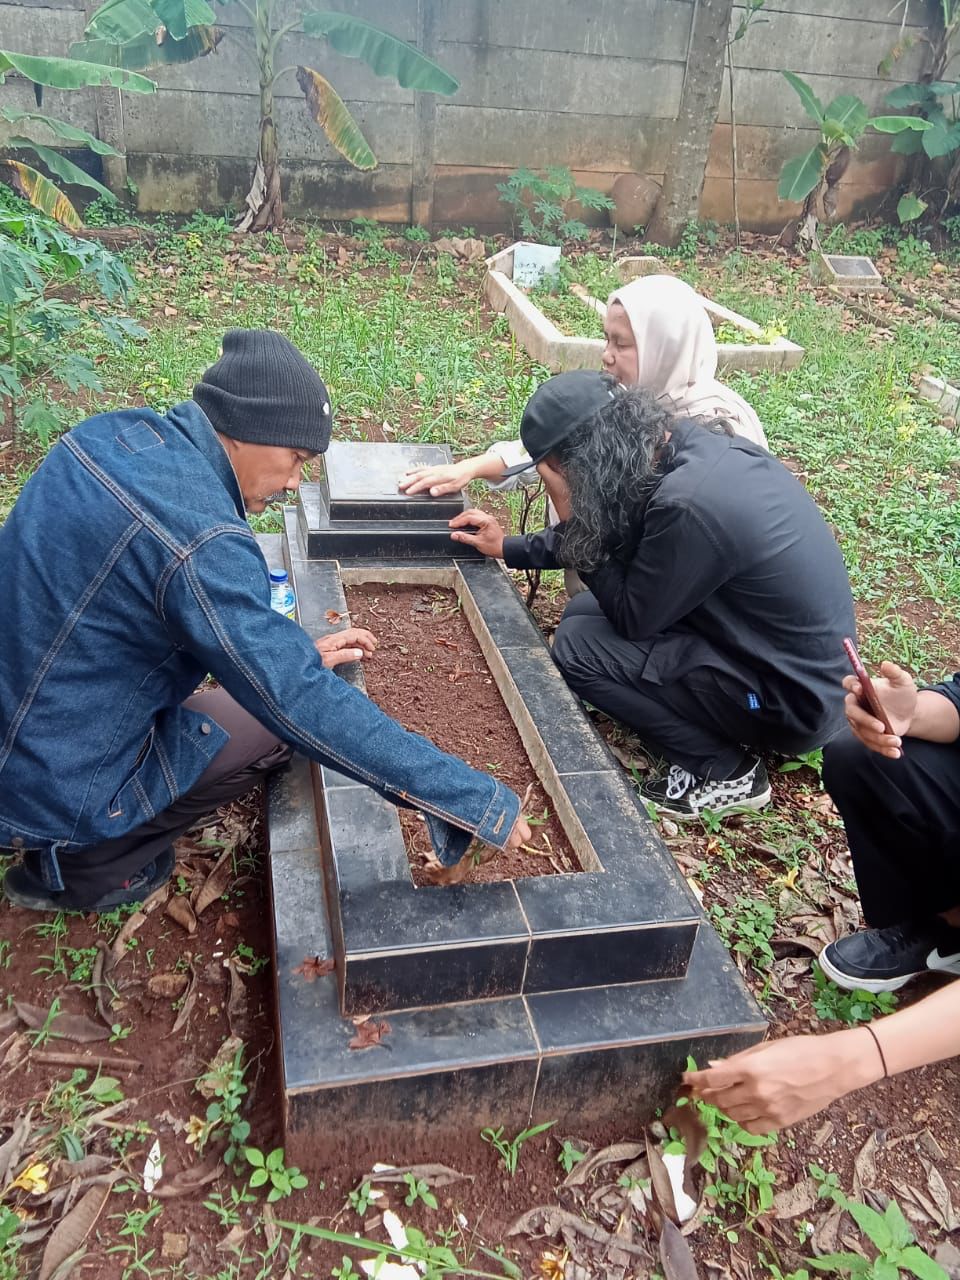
(570, 996)
(560, 352)
(845, 271)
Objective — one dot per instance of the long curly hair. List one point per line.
(612, 464)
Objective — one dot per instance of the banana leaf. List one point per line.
(65, 169)
(382, 52)
(811, 103)
(800, 176)
(146, 51)
(67, 73)
(330, 112)
(60, 128)
(43, 194)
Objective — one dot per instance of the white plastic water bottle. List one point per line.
(282, 598)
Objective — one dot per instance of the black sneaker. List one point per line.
(683, 795)
(23, 888)
(884, 959)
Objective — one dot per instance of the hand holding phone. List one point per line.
(868, 699)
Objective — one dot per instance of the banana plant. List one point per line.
(139, 34)
(57, 73)
(815, 176)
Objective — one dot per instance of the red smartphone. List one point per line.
(868, 696)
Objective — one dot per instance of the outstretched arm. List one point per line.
(780, 1082)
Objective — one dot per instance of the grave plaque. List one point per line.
(846, 271)
(357, 510)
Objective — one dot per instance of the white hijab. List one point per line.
(677, 353)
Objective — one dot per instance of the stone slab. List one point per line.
(846, 271)
(359, 481)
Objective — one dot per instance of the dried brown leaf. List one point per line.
(215, 884)
(237, 1010)
(8, 1022)
(187, 1181)
(619, 1151)
(189, 1000)
(438, 1175)
(66, 1026)
(792, 1202)
(313, 967)
(940, 1195)
(100, 982)
(550, 1220)
(218, 1064)
(660, 1179)
(865, 1166)
(118, 948)
(12, 1150)
(676, 1257)
(693, 1132)
(180, 911)
(70, 1233)
(369, 1033)
(333, 617)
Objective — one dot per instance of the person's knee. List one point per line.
(570, 649)
(845, 763)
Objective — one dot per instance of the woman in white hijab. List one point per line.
(658, 336)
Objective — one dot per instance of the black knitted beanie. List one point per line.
(264, 391)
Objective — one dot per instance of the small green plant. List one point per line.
(46, 1032)
(70, 1103)
(832, 1004)
(361, 1198)
(509, 1148)
(914, 256)
(805, 760)
(345, 1270)
(223, 1113)
(569, 1156)
(748, 928)
(418, 1189)
(539, 202)
(270, 1169)
(228, 1208)
(135, 1223)
(889, 1233)
(6, 953)
(438, 1259)
(419, 235)
(10, 1246)
(248, 959)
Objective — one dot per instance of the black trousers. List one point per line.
(903, 825)
(252, 752)
(701, 722)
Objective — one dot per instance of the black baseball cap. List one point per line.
(557, 408)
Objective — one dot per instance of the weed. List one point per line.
(270, 1169)
(118, 1032)
(805, 760)
(509, 1148)
(248, 960)
(10, 1246)
(223, 1113)
(361, 1198)
(914, 256)
(569, 1156)
(419, 235)
(227, 1210)
(539, 202)
(749, 928)
(437, 1259)
(345, 1270)
(418, 1189)
(46, 1033)
(888, 1232)
(6, 953)
(71, 1103)
(135, 1223)
(832, 1004)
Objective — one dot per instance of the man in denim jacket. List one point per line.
(131, 573)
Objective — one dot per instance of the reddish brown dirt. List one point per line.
(430, 674)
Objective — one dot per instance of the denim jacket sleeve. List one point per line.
(216, 604)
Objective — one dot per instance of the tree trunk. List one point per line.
(264, 204)
(699, 103)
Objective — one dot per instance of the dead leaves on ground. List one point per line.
(369, 1033)
(313, 967)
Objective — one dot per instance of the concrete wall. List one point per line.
(592, 84)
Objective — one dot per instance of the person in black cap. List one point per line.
(718, 599)
(134, 574)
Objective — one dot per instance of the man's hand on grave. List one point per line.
(477, 529)
(520, 835)
(346, 646)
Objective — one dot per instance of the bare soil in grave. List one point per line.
(430, 674)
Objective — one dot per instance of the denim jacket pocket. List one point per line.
(175, 753)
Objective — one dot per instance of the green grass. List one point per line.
(412, 350)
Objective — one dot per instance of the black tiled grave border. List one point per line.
(341, 539)
(631, 918)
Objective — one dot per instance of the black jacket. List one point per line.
(736, 570)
